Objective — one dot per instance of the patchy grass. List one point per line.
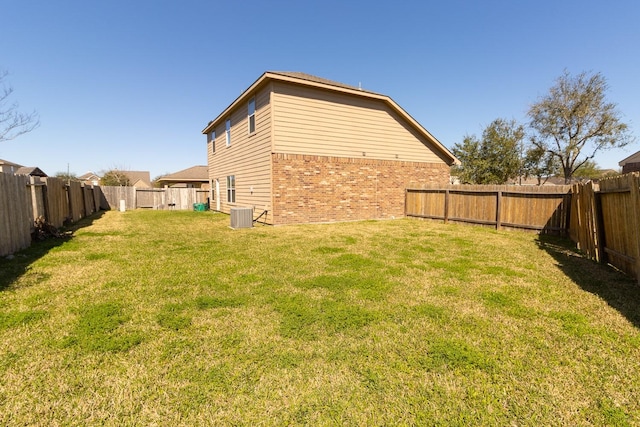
(172, 318)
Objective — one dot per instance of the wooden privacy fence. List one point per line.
(543, 209)
(154, 198)
(605, 222)
(23, 199)
(16, 213)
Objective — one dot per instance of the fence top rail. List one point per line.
(431, 190)
(559, 192)
(614, 190)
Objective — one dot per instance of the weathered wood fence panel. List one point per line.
(56, 201)
(76, 201)
(149, 198)
(23, 199)
(154, 198)
(583, 224)
(37, 188)
(97, 197)
(89, 208)
(16, 213)
(113, 195)
(544, 209)
(606, 223)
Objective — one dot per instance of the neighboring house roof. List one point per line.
(321, 83)
(31, 171)
(8, 163)
(89, 176)
(8, 167)
(139, 178)
(634, 158)
(192, 174)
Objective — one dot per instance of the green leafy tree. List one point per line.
(539, 164)
(588, 170)
(494, 159)
(155, 182)
(13, 123)
(574, 121)
(67, 176)
(115, 178)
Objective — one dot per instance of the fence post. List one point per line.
(634, 186)
(498, 206)
(446, 205)
(598, 222)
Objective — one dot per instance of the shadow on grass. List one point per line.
(12, 269)
(617, 289)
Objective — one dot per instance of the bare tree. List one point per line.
(13, 123)
(115, 178)
(575, 121)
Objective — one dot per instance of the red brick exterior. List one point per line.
(309, 189)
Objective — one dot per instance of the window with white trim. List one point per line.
(227, 131)
(212, 139)
(231, 189)
(251, 115)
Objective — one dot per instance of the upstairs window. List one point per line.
(251, 116)
(227, 132)
(231, 189)
(211, 136)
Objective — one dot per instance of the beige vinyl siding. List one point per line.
(248, 157)
(319, 122)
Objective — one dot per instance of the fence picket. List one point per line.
(499, 206)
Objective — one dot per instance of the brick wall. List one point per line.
(324, 189)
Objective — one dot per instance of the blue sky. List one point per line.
(131, 84)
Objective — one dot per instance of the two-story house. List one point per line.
(307, 150)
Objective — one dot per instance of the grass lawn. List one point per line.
(172, 318)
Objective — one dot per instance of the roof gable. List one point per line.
(138, 177)
(8, 163)
(316, 79)
(194, 173)
(89, 176)
(32, 171)
(634, 158)
(325, 84)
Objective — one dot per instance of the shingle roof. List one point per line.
(316, 79)
(88, 175)
(635, 157)
(6, 162)
(135, 176)
(194, 173)
(33, 171)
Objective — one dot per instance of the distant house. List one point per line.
(631, 163)
(31, 171)
(307, 149)
(9, 167)
(139, 179)
(90, 178)
(193, 177)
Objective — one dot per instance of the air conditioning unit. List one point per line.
(241, 217)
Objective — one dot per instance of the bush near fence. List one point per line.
(24, 198)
